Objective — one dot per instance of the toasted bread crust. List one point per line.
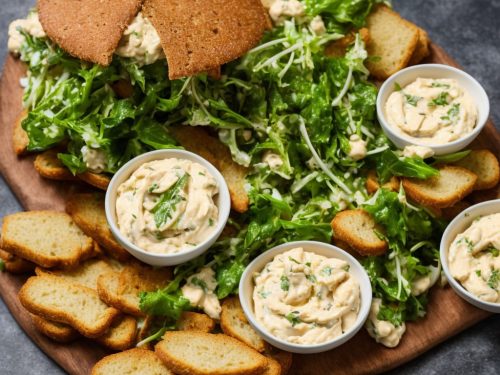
(101, 322)
(430, 192)
(372, 184)
(20, 138)
(422, 49)
(184, 368)
(49, 166)
(87, 210)
(56, 331)
(284, 358)
(133, 361)
(17, 247)
(121, 335)
(197, 140)
(382, 41)
(201, 41)
(98, 180)
(484, 163)
(192, 321)
(347, 224)
(90, 29)
(231, 315)
(14, 264)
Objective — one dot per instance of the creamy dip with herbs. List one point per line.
(167, 206)
(383, 331)
(474, 258)
(432, 111)
(306, 298)
(200, 291)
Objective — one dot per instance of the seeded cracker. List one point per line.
(90, 29)
(200, 35)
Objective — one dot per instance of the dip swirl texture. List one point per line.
(167, 206)
(305, 298)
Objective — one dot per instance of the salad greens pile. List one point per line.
(284, 98)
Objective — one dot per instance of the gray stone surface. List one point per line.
(469, 30)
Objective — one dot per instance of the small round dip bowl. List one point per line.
(246, 289)
(222, 200)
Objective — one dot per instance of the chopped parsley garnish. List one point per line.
(293, 317)
(397, 87)
(293, 260)
(438, 84)
(285, 283)
(311, 278)
(308, 264)
(478, 273)
(134, 216)
(201, 174)
(168, 202)
(199, 283)
(412, 99)
(495, 252)
(441, 99)
(494, 279)
(210, 222)
(327, 271)
(159, 236)
(346, 268)
(263, 294)
(153, 187)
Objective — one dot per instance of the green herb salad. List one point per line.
(284, 100)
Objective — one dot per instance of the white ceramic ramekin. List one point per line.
(436, 71)
(223, 202)
(247, 285)
(457, 226)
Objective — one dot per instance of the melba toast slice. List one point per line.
(200, 353)
(46, 238)
(131, 362)
(59, 300)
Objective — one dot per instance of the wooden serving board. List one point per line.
(447, 313)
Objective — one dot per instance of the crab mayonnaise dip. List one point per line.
(474, 258)
(432, 111)
(305, 298)
(167, 206)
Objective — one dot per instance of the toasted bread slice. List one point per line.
(284, 358)
(372, 184)
(484, 164)
(449, 187)
(218, 32)
(273, 367)
(357, 229)
(20, 138)
(192, 321)
(393, 41)
(234, 323)
(59, 332)
(197, 140)
(121, 289)
(85, 274)
(338, 48)
(87, 210)
(59, 300)
(200, 353)
(49, 166)
(131, 362)
(449, 213)
(46, 238)
(90, 29)
(14, 264)
(98, 180)
(121, 335)
(422, 49)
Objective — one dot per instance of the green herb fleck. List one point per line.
(346, 268)
(478, 273)
(210, 222)
(201, 174)
(454, 110)
(308, 264)
(311, 278)
(153, 187)
(293, 317)
(495, 252)
(412, 100)
(441, 99)
(164, 209)
(285, 283)
(263, 294)
(397, 87)
(438, 84)
(159, 236)
(134, 216)
(494, 279)
(199, 283)
(327, 271)
(293, 260)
